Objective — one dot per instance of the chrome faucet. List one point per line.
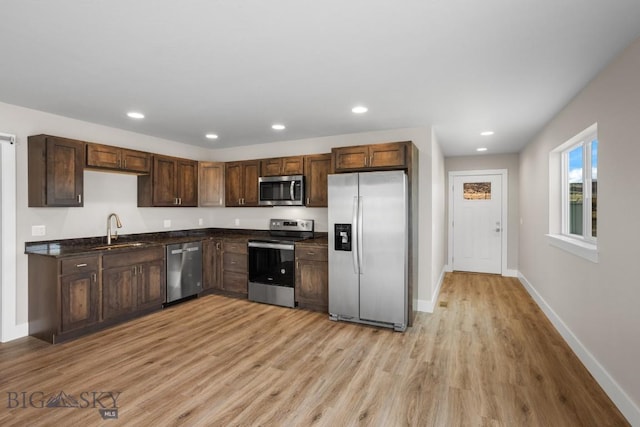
(113, 236)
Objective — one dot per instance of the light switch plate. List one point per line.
(200, 221)
(38, 230)
(237, 222)
(167, 223)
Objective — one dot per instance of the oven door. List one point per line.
(272, 273)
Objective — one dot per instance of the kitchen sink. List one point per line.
(119, 246)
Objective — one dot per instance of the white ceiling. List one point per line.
(235, 67)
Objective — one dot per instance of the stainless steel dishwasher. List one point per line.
(184, 270)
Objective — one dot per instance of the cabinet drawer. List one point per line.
(234, 262)
(236, 247)
(234, 282)
(137, 256)
(78, 265)
(312, 253)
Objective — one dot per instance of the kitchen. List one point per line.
(598, 322)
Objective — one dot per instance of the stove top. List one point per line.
(288, 230)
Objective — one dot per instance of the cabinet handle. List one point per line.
(140, 269)
(119, 163)
(307, 200)
(79, 198)
(125, 163)
(179, 200)
(218, 246)
(311, 253)
(135, 270)
(94, 277)
(371, 160)
(81, 265)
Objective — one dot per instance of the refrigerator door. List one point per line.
(383, 221)
(343, 270)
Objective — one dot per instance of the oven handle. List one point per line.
(266, 245)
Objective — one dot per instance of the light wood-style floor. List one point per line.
(490, 358)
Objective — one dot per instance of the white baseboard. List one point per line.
(427, 306)
(619, 397)
(510, 273)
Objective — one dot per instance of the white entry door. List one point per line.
(477, 223)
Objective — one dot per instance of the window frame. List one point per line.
(585, 246)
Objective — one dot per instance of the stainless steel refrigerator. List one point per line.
(368, 248)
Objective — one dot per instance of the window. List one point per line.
(573, 195)
(580, 188)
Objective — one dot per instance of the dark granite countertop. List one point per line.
(94, 245)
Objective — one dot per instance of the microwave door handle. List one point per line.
(291, 190)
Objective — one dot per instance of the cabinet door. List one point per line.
(119, 291)
(233, 183)
(65, 167)
(151, 285)
(103, 156)
(271, 167)
(312, 283)
(211, 265)
(79, 300)
(387, 155)
(187, 182)
(136, 161)
(211, 185)
(250, 174)
(164, 181)
(292, 165)
(349, 158)
(316, 170)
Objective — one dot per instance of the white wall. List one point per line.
(111, 192)
(438, 221)
(510, 162)
(595, 306)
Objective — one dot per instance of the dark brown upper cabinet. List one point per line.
(371, 157)
(117, 159)
(55, 175)
(211, 185)
(241, 183)
(278, 166)
(173, 182)
(316, 169)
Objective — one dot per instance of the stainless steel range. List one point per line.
(272, 261)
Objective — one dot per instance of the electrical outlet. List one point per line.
(237, 222)
(200, 221)
(38, 230)
(167, 223)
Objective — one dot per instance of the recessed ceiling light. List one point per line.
(278, 126)
(481, 149)
(211, 136)
(135, 115)
(359, 109)
(487, 133)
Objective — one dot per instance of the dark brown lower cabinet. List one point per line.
(132, 282)
(211, 250)
(234, 267)
(79, 299)
(72, 296)
(312, 277)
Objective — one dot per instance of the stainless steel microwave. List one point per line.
(281, 190)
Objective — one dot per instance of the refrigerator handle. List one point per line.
(359, 236)
(354, 240)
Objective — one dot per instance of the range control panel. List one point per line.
(291, 225)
